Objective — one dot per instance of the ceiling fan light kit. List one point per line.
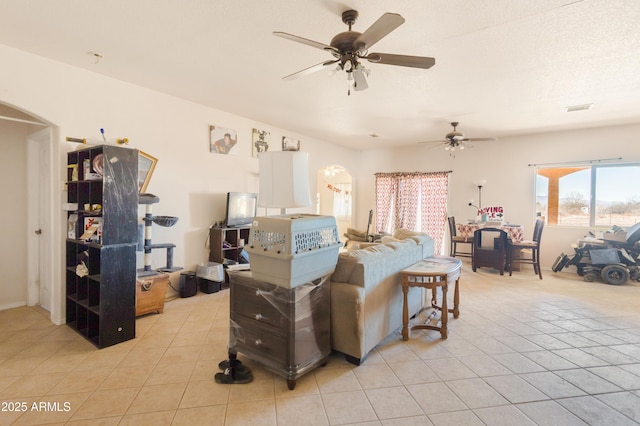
(351, 47)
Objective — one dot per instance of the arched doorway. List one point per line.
(335, 195)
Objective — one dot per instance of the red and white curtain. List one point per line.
(415, 201)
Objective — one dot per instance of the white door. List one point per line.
(39, 231)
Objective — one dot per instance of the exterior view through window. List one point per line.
(603, 195)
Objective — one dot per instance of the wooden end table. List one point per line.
(431, 273)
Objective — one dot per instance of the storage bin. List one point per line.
(188, 286)
(210, 277)
(208, 286)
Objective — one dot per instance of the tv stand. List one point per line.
(227, 242)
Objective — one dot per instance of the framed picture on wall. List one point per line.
(290, 144)
(222, 140)
(146, 165)
(259, 142)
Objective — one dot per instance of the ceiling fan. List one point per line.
(456, 140)
(349, 48)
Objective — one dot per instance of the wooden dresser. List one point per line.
(286, 330)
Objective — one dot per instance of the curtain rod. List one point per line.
(410, 173)
(575, 162)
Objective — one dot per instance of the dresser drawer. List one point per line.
(255, 339)
(265, 304)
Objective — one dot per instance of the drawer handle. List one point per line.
(258, 342)
(258, 316)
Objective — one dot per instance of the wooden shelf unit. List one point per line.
(232, 236)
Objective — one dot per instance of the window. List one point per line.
(603, 195)
(342, 201)
(415, 201)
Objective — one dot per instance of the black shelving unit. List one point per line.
(101, 301)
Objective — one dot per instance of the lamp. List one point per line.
(480, 184)
(284, 180)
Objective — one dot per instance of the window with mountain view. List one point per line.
(602, 195)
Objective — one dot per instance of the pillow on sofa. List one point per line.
(403, 234)
(388, 239)
(348, 260)
(401, 244)
(418, 237)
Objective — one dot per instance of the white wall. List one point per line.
(505, 166)
(13, 214)
(191, 182)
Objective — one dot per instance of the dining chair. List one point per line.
(489, 249)
(526, 252)
(457, 239)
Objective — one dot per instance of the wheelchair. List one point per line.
(614, 262)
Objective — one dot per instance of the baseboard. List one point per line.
(13, 305)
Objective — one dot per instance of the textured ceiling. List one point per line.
(503, 67)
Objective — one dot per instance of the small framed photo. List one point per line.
(259, 142)
(222, 140)
(290, 144)
(146, 165)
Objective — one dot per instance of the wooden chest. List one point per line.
(150, 293)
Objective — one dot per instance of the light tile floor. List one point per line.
(524, 351)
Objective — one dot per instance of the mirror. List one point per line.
(335, 196)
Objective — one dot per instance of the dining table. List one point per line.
(514, 232)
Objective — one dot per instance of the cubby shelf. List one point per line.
(234, 237)
(101, 294)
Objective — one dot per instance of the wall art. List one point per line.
(222, 140)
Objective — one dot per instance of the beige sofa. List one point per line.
(366, 296)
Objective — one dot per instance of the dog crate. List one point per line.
(291, 250)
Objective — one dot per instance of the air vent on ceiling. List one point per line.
(582, 107)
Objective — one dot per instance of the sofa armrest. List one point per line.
(347, 318)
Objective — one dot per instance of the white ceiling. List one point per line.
(503, 67)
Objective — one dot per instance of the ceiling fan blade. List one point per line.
(479, 139)
(303, 40)
(379, 29)
(440, 145)
(309, 70)
(440, 141)
(359, 79)
(401, 60)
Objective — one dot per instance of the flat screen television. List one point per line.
(241, 208)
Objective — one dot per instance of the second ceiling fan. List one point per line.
(456, 140)
(349, 48)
